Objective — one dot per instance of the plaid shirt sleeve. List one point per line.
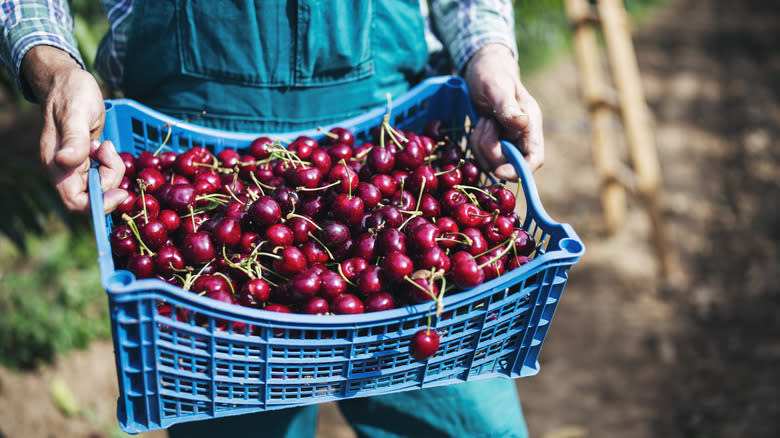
(464, 26)
(29, 23)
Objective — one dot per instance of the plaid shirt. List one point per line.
(462, 27)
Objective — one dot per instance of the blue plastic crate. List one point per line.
(172, 371)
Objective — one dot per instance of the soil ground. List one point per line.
(625, 357)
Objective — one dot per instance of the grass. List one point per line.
(51, 299)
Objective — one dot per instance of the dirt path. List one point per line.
(620, 360)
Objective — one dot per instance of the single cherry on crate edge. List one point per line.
(424, 344)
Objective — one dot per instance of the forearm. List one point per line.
(465, 26)
(34, 23)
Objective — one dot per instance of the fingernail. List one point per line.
(94, 144)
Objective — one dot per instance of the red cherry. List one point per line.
(181, 197)
(379, 301)
(340, 151)
(228, 157)
(385, 183)
(423, 178)
(429, 206)
(129, 161)
(411, 157)
(424, 344)
(185, 163)
(279, 235)
(370, 195)
(331, 285)
(369, 280)
(148, 160)
(292, 261)
(316, 306)
(197, 248)
(396, 266)
(153, 234)
(352, 267)
(516, 262)
(126, 207)
(524, 243)
(467, 274)
(123, 241)
(304, 285)
(260, 148)
(341, 135)
(168, 260)
(434, 257)
(450, 176)
(141, 265)
(227, 232)
(152, 179)
(467, 215)
(380, 160)
(423, 289)
(152, 207)
(169, 219)
(264, 212)
(314, 252)
(346, 304)
(258, 289)
(470, 173)
(389, 240)
(348, 209)
(423, 236)
(478, 243)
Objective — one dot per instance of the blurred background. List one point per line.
(625, 357)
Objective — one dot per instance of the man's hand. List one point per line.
(73, 117)
(507, 111)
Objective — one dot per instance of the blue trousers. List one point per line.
(481, 409)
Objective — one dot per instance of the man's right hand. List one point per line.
(73, 117)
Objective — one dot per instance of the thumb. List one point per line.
(74, 142)
(511, 118)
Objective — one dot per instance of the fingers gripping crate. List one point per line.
(208, 359)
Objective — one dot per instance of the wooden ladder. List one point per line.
(643, 179)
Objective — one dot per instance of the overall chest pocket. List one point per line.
(276, 43)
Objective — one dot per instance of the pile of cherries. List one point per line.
(320, 227)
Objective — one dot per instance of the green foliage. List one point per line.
(50, 301)
(543, 31)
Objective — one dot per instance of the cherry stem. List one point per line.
(469, 241)
(315, 189)
(259, 185)
(238, 266)
(229, 282)
(314, 224)
(418, 286)
(233, 195)
(269, 254)
(167, 137)
(341, 272)
(142, 187)
(134, 228)
(502, 253)
(476, 189)
(413, 214)
(444, 172)
(322, 245)
(328, 133)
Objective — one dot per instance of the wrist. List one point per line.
(42, 65)
(490, 52)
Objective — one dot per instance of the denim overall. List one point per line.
(283, 65)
